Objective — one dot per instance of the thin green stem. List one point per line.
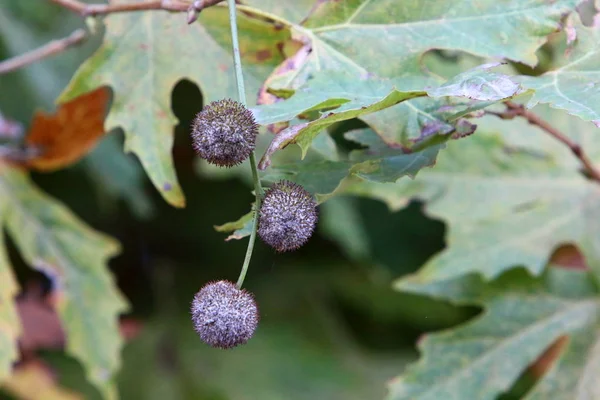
(239, 75)
(250, 248)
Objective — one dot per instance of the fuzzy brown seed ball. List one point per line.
(288, 216)
(224, 133)
(223, 315)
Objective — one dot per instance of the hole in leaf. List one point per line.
(536, 371)
(187, 100)
(568, 256)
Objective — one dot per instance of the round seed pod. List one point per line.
(224, 133)
(223, 315)
(288, 216)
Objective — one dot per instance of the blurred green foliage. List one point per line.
(331, 325)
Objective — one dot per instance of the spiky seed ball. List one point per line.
(224, 133)
(223, 315)
(288, 216)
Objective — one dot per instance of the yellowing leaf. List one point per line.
(65, 137)
(145, 54)
(34, 381)
(73, 256)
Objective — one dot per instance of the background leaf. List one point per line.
(64, 138)
(506, 204)
(73, 257)
(522, 317)
(35, 381)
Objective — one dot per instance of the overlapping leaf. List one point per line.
(574, 86)
(325, 178)
(341, 97)
(346, 96)
(74, 257)
(522, 317)
(145, 54)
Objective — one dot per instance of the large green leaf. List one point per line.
(10, 326)
(52, 240)
(507, 202)
(145, 54)
(522, 317)
(573, 86)
(388, 38)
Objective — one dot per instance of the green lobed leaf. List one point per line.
(357, 36)
(145, 54)
(73, 256)
(522, 317)
(10, 325)
(507, 204)
(573, 86)
(387, 38)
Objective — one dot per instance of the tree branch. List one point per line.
(85, 10)
(517, 110)
(49, 49)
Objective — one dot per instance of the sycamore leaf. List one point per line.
(509, 202)
(341, 97)
(10, 326)
(145, 54)
(65, 137)
(522, 317)
(388, 39)
(73, 256)
(574, 86)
